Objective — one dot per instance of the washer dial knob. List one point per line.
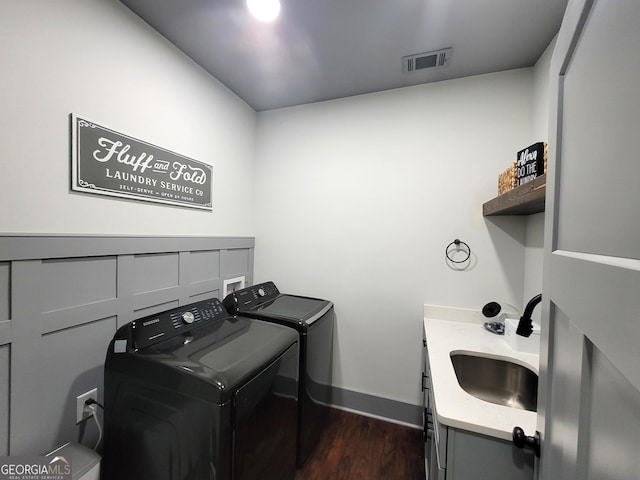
(261, 292)
(188, 317)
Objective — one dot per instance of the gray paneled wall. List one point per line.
(4, 399)
(5, 355)
(62, 299)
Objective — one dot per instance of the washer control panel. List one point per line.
(156, 328)
(251, 296)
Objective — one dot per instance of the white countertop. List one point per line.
(454, 329)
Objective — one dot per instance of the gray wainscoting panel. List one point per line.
(5, 292)
(155, 304)
(203, 266)
(235, 262)
(79, 354)
(156, 283)
(77, 281)
(31, 247)
(5, 332)
(196, 297)
(62, 299)
(156, 271)
(5, 355)
(202, 274)
(78, 315)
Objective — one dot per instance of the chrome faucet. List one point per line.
(525, 326)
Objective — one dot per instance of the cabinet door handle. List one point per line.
(521, 440)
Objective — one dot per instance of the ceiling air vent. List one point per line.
(420, 61)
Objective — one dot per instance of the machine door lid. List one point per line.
(233, 361)
(209, 362)
(296, 308)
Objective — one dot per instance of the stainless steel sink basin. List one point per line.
(497, 381)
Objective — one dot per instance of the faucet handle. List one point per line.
(525, 326)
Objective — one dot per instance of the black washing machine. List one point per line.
(314, 319)
(196, 394)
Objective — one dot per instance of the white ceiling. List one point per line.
(324, 49)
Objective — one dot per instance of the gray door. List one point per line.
(589, 403)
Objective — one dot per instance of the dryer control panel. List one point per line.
(251, 297)
(156, 328)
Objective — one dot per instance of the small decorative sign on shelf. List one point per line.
(107, 162)
(531, 163)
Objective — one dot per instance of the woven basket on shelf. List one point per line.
(507, 179)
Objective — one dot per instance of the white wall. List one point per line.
(356, 200)
(541, 72)
(535, 223)
(97, 59)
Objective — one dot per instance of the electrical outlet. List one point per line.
(80, 399)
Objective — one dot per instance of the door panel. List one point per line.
(589, 404)
(604, 303)
(560, 452)
(600, 105)
(613, 425)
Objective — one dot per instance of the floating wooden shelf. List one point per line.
(526, 199)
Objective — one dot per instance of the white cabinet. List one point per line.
(458, 454)
(478, 457)
(435, 436)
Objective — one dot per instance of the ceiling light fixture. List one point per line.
(265, 10)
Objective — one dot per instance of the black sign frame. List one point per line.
(530, 163)
(107, 162)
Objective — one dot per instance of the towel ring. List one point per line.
(457, 244)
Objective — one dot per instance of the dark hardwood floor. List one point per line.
(354, 447)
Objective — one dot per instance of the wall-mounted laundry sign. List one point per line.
(106, 162)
